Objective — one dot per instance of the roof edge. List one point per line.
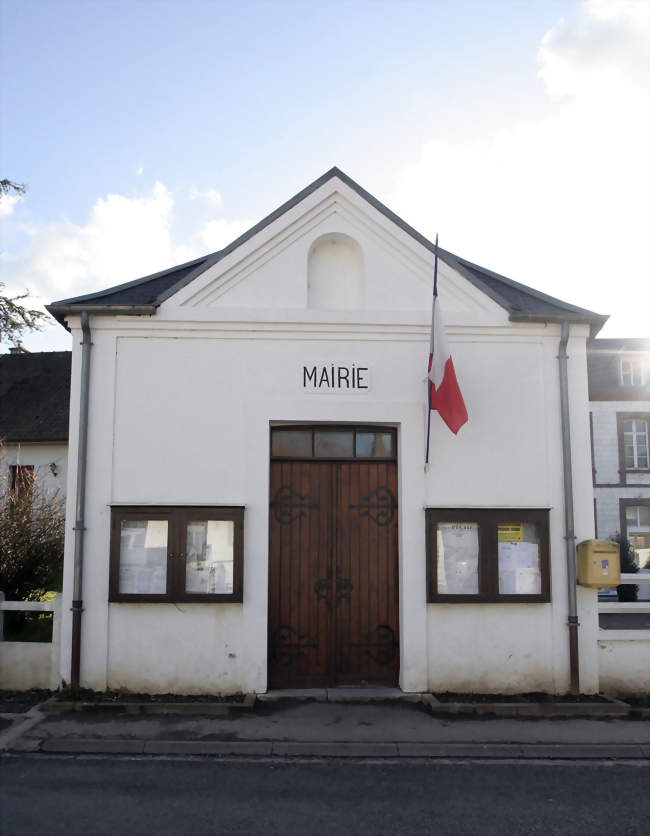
(524, 288)
(87, 297)
(594, 321)
(59, 310)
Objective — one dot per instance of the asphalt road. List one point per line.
(52, 795)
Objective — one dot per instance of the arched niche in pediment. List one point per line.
(335, 275)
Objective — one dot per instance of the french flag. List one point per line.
(444, 391)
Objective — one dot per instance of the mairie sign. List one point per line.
(335, 377)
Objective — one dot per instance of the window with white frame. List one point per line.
(635, 444)
(632, 371)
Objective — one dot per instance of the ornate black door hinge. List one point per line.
(380, 505)
(380, 644)
(287, 644)
(288, 505)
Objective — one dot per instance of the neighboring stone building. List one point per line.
(34, 415)
(619, 403)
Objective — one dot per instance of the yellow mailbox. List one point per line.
(599, 563)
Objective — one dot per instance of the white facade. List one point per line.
(180, 409)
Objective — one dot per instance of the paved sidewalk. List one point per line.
(330, 729)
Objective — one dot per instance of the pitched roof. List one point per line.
(35, 396)
(143, 296)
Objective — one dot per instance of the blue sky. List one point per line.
(152, 132)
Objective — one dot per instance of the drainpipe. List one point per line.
(79, 527)
(569, 533)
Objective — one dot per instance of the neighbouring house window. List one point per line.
(635, 443)
(483, 555)
(635, 519)
(632, 371)
(22, 481)
(177, 554)
(639, 540)
(633, 452)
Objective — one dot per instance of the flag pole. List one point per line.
(433, 308)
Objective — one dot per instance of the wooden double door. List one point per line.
(333, 574)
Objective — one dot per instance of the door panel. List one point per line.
(333, 574)
(300, 549)
(366, 624)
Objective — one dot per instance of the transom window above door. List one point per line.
(345, 442)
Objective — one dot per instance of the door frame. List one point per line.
(353, 426)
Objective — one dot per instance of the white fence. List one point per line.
(624, 655)
(25, 665)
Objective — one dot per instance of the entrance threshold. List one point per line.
(350, 695)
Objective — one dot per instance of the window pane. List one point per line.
(379, 444)
(644, 514)
(143, 557)
(209, 556)
(333, 443)
(519, 566)
(291, 443)
(630, 514)
(458, 558)
(628, 426)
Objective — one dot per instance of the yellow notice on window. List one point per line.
(509, 532)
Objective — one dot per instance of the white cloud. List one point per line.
(212, 196)
(560, 203)
(139, 171)
(600, 53)
(8, 203)
(125, 238)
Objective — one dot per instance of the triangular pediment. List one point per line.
(332, 251)
(332, 247)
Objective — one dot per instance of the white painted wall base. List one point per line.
(26, 665)
(624, 663)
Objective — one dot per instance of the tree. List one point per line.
(14, 318)
(32, 524)
(9, 187)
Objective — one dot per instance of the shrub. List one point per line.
(32, 525)
(627, 591)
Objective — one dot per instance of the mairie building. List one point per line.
(248, 502)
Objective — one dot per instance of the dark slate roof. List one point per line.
(34, 396)
(143, 296)
(140, 292)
